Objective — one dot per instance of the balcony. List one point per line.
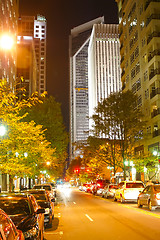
(155, 112)
(154, 92)
(148, 2)
(154, 72)
(153, 16)
(152, 35)
(154, 53)
(156, 133)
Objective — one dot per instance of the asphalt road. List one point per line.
(83, 216)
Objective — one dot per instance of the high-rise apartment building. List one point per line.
(104, 64)
(36, 28)
(140, 62)
(78, 58)
(8, 26)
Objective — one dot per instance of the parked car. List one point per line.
(99, 185)
(24, 211)
(150, 197)
(128, 191)
(82, 187)
(47, 187)
(109, 190)
(8, 230)
(44, 201)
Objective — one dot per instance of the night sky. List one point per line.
(61, 17)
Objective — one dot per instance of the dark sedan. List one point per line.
(45, 202)
(24, 211)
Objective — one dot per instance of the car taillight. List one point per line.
(157, 196)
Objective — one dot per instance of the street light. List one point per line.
(2, 130)
(6, 42)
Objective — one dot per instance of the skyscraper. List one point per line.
(104, 64)
(78, 58)
(36, 28)
(140, 63)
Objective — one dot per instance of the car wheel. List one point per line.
(115, 199)
(150, 206)
(138, 204)
(122, 200)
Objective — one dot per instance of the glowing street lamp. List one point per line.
(6, 42)
(2, 130)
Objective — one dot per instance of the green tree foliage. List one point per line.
(148, 164)
(24, 146)
(48, 114)
(118, 119)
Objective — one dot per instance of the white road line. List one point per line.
(89, 217)
(74, 202)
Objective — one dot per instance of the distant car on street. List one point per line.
(128, 191)
(109, 190)
(99, 186)
(47, 187)
(150, 197)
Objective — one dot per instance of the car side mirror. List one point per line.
(40, 210)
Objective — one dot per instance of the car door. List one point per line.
(145, 195)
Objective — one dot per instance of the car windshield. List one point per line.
(157, 188)
(39, 196)
(15, 206)
(47, 188)
(134, 185)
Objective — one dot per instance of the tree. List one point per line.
(48, 114)
(148, 164)
(24, 147)
(118, 119)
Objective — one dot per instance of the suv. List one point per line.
(128, 191)
(24, 211)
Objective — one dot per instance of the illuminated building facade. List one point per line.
(36, 28)
(8, 25)
(140, 62)
(104, 64)
(26, 66)
(78, 58)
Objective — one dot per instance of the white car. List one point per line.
(128, 191)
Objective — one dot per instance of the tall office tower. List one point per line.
(8, 26)
(103, 64)
(140, 63)
(36, 27)
(26, 66)
(78, 57)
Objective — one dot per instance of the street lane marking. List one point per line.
(89, 217)
(74, 202)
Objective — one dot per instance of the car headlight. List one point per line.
(33, 232)
(46, 210)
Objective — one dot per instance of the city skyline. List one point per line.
(59, 24)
